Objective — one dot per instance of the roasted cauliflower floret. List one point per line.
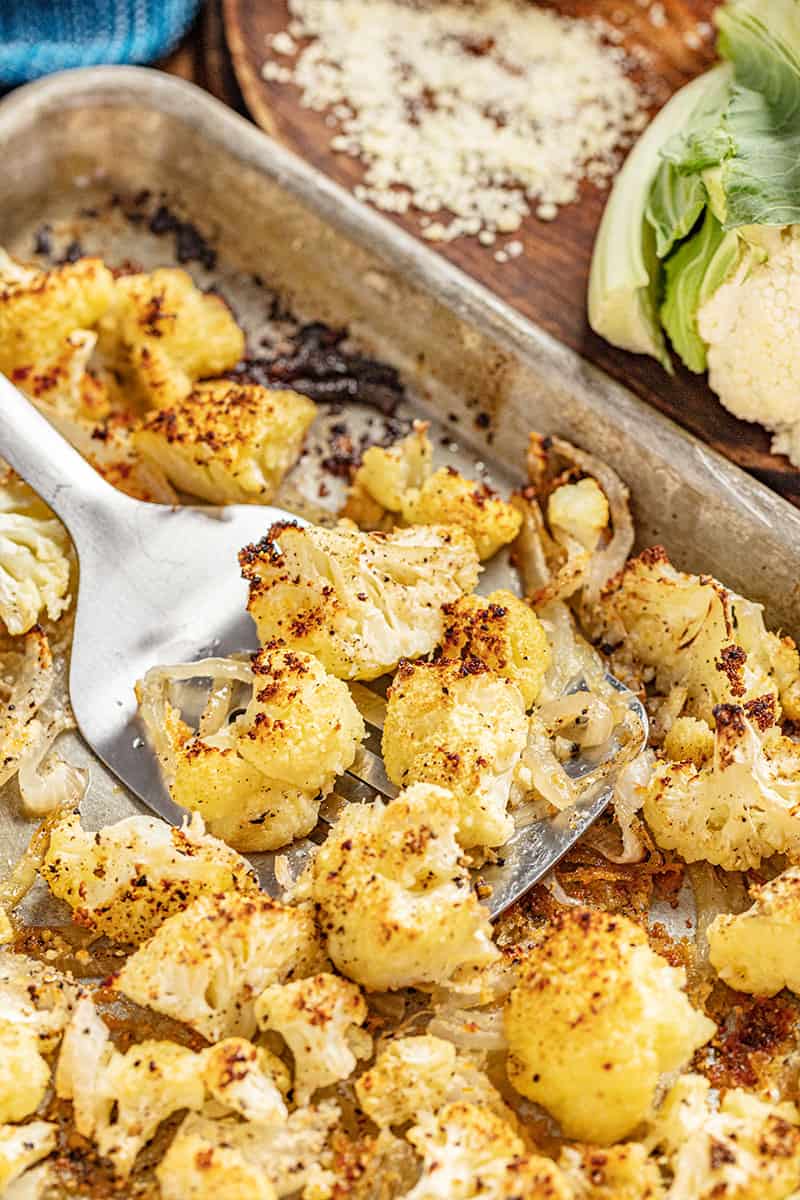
(23, 1145)
(248, 1079)
(623, 1172)
(320, 1020)
(194, 1169)
(227, 442)
(206, 965)
(410, 1076)
(579, 511)
(742, 807)
(394, 905)
(387, 474)
(758, 951)
(745, 1150)
(35, 996)
(359, 602)
(39, 310)
(457, 724)
(24, 1074)
(127, 878)
(689, 740)
(697, 635)
(35, 558)
(503, 632)
(447, 498)
(469, 1152)
(162, 333)
(594, 1021)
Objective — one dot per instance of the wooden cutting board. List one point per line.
(548, 282)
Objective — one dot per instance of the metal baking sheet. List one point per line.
(73, 141)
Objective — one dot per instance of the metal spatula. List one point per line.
(162, 585)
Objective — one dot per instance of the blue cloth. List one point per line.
(40, 36)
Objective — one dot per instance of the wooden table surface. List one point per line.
(224, 53)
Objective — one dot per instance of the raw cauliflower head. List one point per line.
(394, 904)
(410, 1076)
(127, 878)
(758, 951)
(360, 602)
(736, 810)
(699, 637)
(21, 1146)
(24, 1074)
(447, 498)
(469, 1152)
(594, 1022)
(624, 1172)
(227, 442)
(457, 724)
(320, 1020)
(744, 1150)
(206, 965)
(503, 632)
(162, 333)
(35, 558)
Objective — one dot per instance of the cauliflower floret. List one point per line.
(747, 1150)
(395, 906)
(292, 1157)
(758, 951)
(319, 1019)
(359, 602)
(456, 724)
(579, 511)
(194, 1169)
(21, 1146)
(39, 310)
(617, 1173)
(447, 498)
(594, 1021)
(469, 1152)
(698, 636)
(258, 782)
(386, 474)
(119, 1100)
(503, 632)
(248, 1079)
(127, 878)
(689, 740)
(35, 558)
(410, 1076)
(35, 996)
(162, 333)
(24, 1074)
(736, 811)
(205, 966)
(227, 442)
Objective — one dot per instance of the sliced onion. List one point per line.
(60, 784)
(30, 687)
(540, 769)
(589, 718)
(528, 551)
(715, 892)
(628, 799)
(470, 1029)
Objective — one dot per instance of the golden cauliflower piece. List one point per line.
(319, 1018)
(21, 1146)
(742, 807)
(410, 1076)
(259, 781)
(24, 1074)
(162, 333)
(394, 904)
(250, 1080)
(206, 965)
(595, 1020)
(195, 1169)
(227, 442)
(447, 498)
(456, 724)
(36, 997)
(578, 511)
(745, 1150)
(39, 310)
(758, 951)
(689, 740)
(503, 632)
(469, 1152)
(127, 878)
(359, 602)
(698, 636)
(624, 1172)
(35, 558)
(388, 473)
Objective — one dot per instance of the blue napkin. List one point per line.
(40, 36)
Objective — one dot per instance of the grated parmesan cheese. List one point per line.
(474, 114)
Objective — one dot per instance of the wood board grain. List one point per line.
(548, 282)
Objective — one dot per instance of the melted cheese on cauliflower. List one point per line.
(394, 903)
(594, 1022)
(127, 878)
(162, 333)
(319, 1018)
(758, 951)
(206, 965)
(411, 1075)
(24, 1074)
(35, 558)
(456, 724)
(227, 442)
(359, 602)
